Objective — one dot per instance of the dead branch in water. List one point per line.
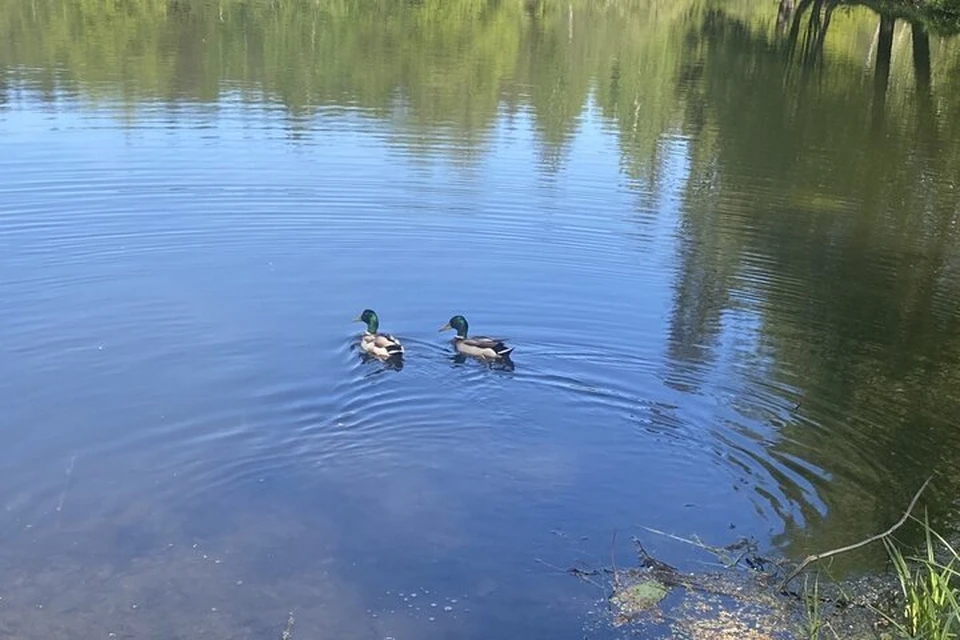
(857, 545)
(722, 553)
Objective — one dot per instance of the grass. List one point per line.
(811, 601)
(930, 586)
(815, 624)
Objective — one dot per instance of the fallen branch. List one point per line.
(696, 543)
(857, 545)
(721, 553)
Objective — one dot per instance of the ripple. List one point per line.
(216, 263)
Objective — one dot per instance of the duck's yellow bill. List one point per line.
(446, 327)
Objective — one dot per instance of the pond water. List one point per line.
(725, 249)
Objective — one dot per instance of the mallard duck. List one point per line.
(479, 346)
(380, 345)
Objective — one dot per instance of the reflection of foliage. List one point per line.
(855, 230)
(940, 16)
(441, 67)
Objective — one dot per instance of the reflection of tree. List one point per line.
(882, 68)
(707, 269)
(806, 43)
(921, 71)
(784, 15)
(856, 234)
(819, 14)
(440, 71)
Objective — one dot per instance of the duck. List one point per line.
(477, 346)
(380, 345)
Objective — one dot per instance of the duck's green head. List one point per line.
(369, 316)
(459, 323)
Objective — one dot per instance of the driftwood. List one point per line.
(857, 545)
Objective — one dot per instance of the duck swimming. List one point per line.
(380, 345)
(477, 346)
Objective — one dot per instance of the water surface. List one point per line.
(726, 252)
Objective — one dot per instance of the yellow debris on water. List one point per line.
(725, 626)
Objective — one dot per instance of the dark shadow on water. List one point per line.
(504, 364)
(394, 363)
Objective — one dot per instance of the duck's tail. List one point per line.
(395, 350)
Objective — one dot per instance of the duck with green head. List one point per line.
(477, 346)
(380, 345)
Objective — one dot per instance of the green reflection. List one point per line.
(824, 192)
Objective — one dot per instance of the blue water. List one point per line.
(192, 445)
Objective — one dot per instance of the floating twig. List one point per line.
(723, 553)
(696, 543)
(576, 572)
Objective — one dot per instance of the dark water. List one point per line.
(726, 252)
